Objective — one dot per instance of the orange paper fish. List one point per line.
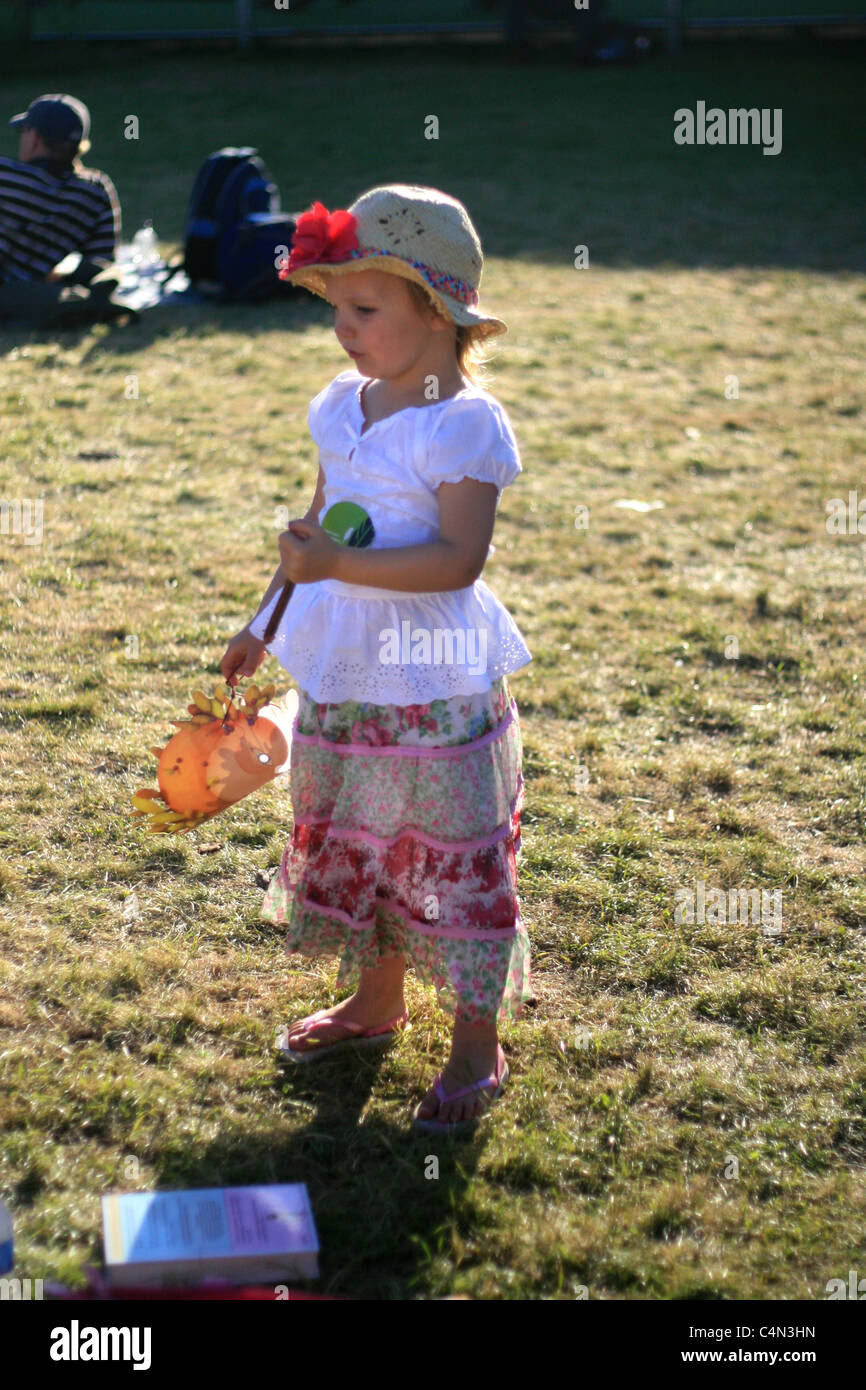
(222, 753)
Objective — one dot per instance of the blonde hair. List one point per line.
(471, 360)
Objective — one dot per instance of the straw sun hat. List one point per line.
(419, 233)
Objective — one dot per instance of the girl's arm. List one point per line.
(318, 501)
(467, 514)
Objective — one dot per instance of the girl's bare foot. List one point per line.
(378, 999)
(474, 1054)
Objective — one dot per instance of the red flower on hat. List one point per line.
(321, 237)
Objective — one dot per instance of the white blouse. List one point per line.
(387, 646)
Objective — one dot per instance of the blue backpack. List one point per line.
(235, 229)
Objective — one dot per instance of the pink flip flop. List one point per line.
(360, 1036)
(433, 1126)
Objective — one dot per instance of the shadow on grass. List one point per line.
(297, 313)
(380, 1213)
(591, 158)
(546, 155)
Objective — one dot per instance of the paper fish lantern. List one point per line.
(222, 753)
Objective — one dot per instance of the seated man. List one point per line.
(50, 206)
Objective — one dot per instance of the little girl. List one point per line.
(405, 770)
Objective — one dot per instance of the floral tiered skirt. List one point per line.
(405, 842)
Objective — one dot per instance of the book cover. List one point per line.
(261, 1233)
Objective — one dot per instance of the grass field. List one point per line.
(687, 1111)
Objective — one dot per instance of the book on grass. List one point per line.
(249, 1235)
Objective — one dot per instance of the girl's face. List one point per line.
(378, 323)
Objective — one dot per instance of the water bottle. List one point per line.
(146, 263)
(5, 1240)
(145, 246)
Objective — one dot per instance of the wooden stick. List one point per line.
(278, 611)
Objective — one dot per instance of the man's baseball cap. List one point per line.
(58, 117)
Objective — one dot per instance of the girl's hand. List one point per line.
(244, 654)
(307, 553)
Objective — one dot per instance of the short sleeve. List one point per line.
(472, 439)
(329, 398)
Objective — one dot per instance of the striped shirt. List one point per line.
(47, 210)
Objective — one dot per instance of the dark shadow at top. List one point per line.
(547, 155)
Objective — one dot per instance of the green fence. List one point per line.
(57, 19)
